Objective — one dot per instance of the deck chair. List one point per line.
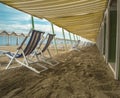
(35, 37)
(39, 54)
(76, 45)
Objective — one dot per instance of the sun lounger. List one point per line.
(40, 52)
(35, 37)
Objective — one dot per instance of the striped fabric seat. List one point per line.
(32, 43)
(49, 40)
(47, 60)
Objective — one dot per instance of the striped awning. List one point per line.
(81, 17)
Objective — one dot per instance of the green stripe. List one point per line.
(32, 20)
(55, 44)
(64, 38)
(70, 38)
(74, 37)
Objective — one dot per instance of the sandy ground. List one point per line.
(80, 74)
(51, 48)
(4, 60)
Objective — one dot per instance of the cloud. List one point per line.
(12, 15)
(24, 28)
(21, 17)
(15, 27)
(48, 29)
(18, 28)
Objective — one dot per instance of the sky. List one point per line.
(12, 20)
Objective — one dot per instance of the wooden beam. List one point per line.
(117, 64)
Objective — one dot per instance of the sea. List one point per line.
(14, 40)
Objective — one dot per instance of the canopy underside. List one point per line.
(81, 17)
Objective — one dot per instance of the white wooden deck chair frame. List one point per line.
(36, 35)
(40, 52)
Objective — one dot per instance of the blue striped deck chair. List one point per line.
(40, 52)
(34, 39)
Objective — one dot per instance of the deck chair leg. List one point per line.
(39, 61)
(52, 60)
(31, 68)
(49, 53)
(37, 57)
(47, 62)
(11, 60)
(25, 59)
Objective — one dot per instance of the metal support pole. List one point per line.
(107, 32)
(102, 28)
(70, 38)
(55, 44)
(77, 37)
(64, 38)
(8, 40)
(74, 37)
(17, 40)
(32, 21)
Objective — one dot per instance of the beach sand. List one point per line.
(80, 74)
(4, 60)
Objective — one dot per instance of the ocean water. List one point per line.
(13, 40)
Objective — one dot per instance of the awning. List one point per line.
(81, 17)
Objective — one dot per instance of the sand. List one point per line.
(80, 74)
(4, 59)
(51, 48)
